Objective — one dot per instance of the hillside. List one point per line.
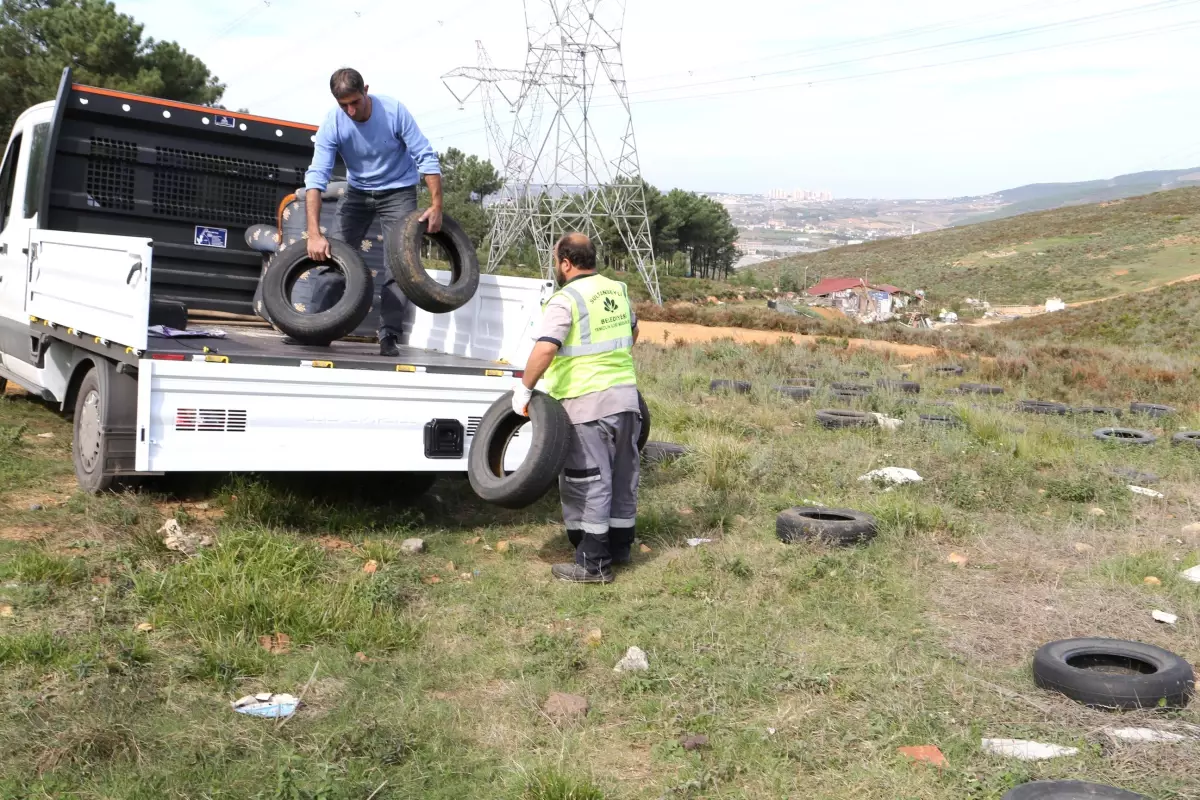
(1167, 319)
(1077, 253)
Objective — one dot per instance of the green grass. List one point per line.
(1074, 253)
(806, 667)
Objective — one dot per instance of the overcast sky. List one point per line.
(870, 98)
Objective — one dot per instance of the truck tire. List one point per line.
(841, 527)
(979, 388)
(1115, 674)
(1041, 407)
(906, 387)
(1099, 411)
(737, 387)
(1187, 438)
(1124, 436)
(1151, 409)
(662, 452)
(551, 431)
(322, 327)
(843, 418)
(949, 369)
(1069, 790)
(940, 419)
(644, 410)
(404, 259)
(796, 392)
(103, 440)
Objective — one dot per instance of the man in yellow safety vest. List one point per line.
(585, 351)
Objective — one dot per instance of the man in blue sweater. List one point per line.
(385, 154)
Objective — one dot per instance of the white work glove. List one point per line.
(520, 399)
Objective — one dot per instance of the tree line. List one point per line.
(692, 236)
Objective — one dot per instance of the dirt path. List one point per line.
(1032, 311)
(658, 332)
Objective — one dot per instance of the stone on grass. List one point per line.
(635, 660)
(694, 742)
(561, 707)
(412, 546)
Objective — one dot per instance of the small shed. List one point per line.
(856, 298)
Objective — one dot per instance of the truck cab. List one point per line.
(115, 205)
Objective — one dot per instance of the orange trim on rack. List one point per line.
(279, 213)
(78, 87)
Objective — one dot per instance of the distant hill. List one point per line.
(1045, 196)
(1167, 318)
(1076, 253)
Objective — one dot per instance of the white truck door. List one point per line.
(14, 243)
(95, 283)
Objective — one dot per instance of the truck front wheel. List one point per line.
(90, 450)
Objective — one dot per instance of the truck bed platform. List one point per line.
(265, 346)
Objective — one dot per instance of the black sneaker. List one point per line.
(573, 573)
(388, 346)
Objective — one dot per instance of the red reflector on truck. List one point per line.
(168, 357)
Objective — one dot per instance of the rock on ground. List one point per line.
(635, 660)
(412, 546)
(562, 707)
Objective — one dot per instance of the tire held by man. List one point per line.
(404, 260)
(550, 428)
(321, 327)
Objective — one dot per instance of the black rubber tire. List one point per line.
(326, 326)
(1124, 436)
(1135, 476)
(551, 431)
(644, 436)
(1069, 790)
(856, 388)
(1100, 411)
(663, 452)
(980, 388)
(949, 369)
(796, 392)
(940, 419)
(1151, 409)
(404, 259)
(737, 387)
(1169, 684)
(1187, 439)
(1042, 407)
(810, 383)
(857, 373)
(844, 418)
(907, 387)
(90, 446)
(841, 527)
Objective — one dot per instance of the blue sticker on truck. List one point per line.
(223, 121)
(211, 237)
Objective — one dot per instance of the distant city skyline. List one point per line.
(865, 98)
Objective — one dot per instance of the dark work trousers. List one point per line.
(599, 489)
(356, 210)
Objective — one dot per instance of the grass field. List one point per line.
(805, 667)
(1076, 253)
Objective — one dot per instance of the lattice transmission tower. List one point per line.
(571, 159)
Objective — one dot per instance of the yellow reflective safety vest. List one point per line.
(598, 351)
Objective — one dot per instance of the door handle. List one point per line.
(136, 268)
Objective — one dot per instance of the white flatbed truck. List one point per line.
(106, 198)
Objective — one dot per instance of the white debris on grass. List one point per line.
(886, 422)
(174, 538)
(635, 660)
(1145, 735)
(892, 476)
(1192, 574)
(1142, 490)
(1164, 617)
(1026, 750)
(267, 704)
(696, 542)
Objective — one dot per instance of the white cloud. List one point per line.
(1053, 114)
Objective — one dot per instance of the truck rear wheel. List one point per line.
(90, 450)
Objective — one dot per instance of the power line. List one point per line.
(1156, 6)
(253, 11)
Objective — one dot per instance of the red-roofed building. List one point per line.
(831, 285)
(858, 299)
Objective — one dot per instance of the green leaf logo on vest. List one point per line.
(610, 305)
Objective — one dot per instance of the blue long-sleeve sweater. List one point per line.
(388, 151)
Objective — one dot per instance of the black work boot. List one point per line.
(388, 346)
(573, 573)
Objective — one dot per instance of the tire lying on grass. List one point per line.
(1151, 409)
(1114, 674)
(737, 387)
(1069, 790)
(1099, 411)
(550, 428)
(947, 420)
(1187, 438)
(1124, 436)
(949, 369)
(979, 388)
(796, 392)
(663, 452)
(907, 387)
(404, 259)
(1135, 475)
(844, 418)
(1041, 407)
(321, 327)
(644, 435)
(841, 527)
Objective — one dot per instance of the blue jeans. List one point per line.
(356, 210)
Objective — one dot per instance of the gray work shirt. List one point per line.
(556, 324)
